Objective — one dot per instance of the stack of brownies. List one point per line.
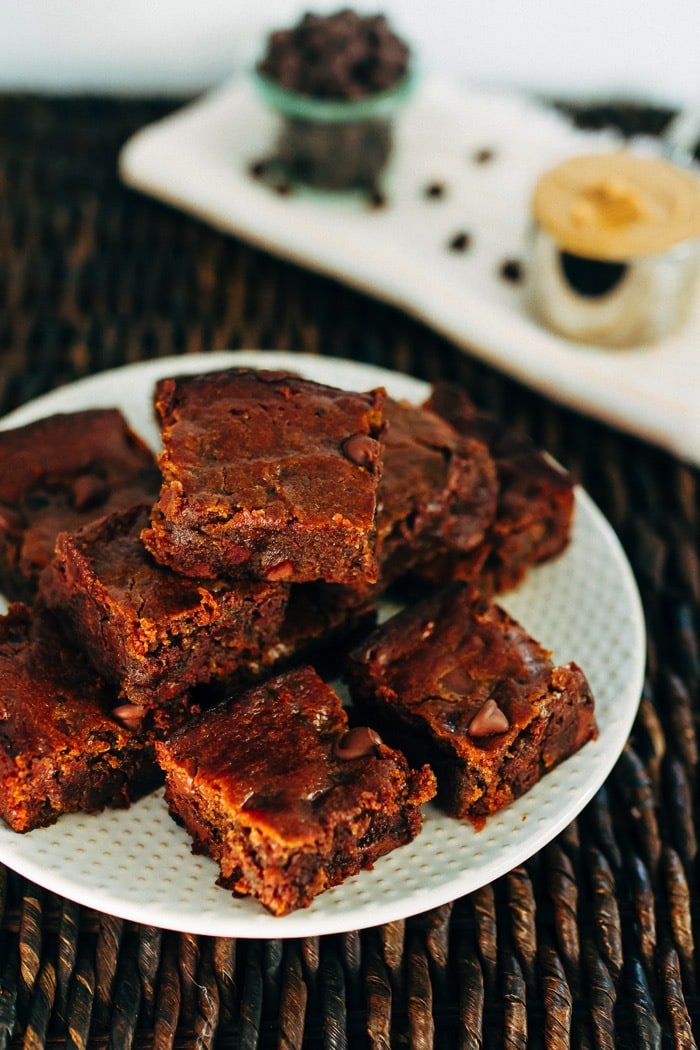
(173, 619)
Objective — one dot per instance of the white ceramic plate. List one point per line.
(137, 863)
(197, 160)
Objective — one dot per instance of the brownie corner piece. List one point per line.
(267, 475)
(276, 788)
(456, 682)
(437, 494)
(535, 496)
(153, 633)
(63, 746)
(57, 473)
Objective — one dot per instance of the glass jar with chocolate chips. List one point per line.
(336, 81)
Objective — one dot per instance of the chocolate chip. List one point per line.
(511, 270)
(283, 570)
(435, 190)
(461, 242)
(362, 450)
(258, 169)
(483, 156)
(130, 715)
(357, 743)
(489, 720)
(456, 680)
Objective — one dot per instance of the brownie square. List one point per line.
(268, 476)
(63, 746)
(535, 501)
(283, 797)
(154, 633)
(456, 682)
(58, 473)
(437, 492)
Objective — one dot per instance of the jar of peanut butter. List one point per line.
(614, 248)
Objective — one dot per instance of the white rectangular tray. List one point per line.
(198, 160)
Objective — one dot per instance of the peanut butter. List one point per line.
(617, 206)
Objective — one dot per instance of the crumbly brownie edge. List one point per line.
(50, 788)
(284, 881)
(54, 760)
(155, 663)
(285, 821)
(473, 782)
(524, 531)
(91, 458)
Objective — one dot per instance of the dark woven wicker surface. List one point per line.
(591, 943)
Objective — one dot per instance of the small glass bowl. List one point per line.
(334, 144)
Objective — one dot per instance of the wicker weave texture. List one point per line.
(591, 943)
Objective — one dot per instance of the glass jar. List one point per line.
(333, 144)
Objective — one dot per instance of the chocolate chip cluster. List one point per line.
(343, 56)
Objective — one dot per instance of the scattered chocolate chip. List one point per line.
(283, 188)
(435, 190)
(362, 450)
(357, 743)
(281, 571)
(489, 720)
(461, 242)
(483, 156)
(130, 715)
(377, 199)
(258, 169)
(511, 270)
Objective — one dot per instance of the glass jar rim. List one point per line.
(305, 107)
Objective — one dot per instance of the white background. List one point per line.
(648, 49)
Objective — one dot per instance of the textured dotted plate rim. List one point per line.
(137, 864)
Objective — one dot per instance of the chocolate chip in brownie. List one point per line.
(357, 743)
(456, 681)
(362, 450)
(489, 720)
